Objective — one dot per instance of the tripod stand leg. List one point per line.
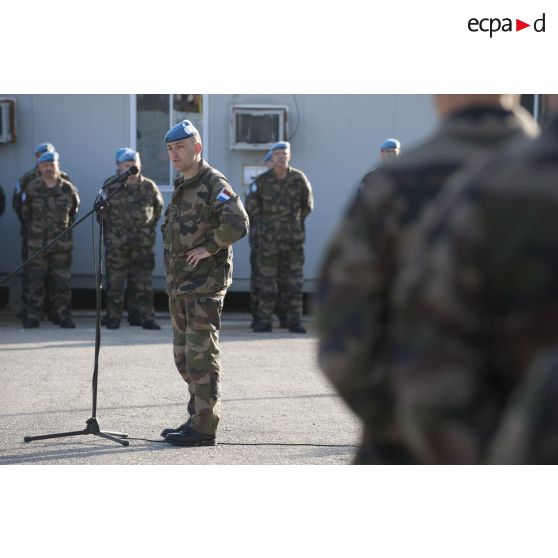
(113, 438)
(117, 434)
(60, 435)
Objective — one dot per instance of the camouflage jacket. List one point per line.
(365, 254)
(474, 307)
(204, 212)
(281, 206)
(133, 214)
(22, 184)
(46, 212)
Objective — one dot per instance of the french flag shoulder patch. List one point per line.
(225, 195)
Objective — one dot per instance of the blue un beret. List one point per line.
(267, 157)
(280, 145)
(120, 151)
(43, 148)
(180, 131)
(390, 143)
(128, 155)
(48, 157)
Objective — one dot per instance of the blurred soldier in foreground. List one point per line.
(130, 230)
(255, 238)
(282, 201)
(18, 197)
(48, 206)
(474, 364)
(205, 217)
(390, 149)
(365, 255)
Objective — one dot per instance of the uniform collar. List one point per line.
(181, 181)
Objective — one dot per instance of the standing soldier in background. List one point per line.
(205, 217)
(474, 361)
(48, 207)
(17, 201)
(130, 230)
(364, 258)
(282, 201)
(255, 238)
(130, 297)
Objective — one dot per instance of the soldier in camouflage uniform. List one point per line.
(205, 217)
(255, 236)
(283, 200)
(17, 196)
(130, 229)
(48, 206)
(390, 149)
(474, 364)
(365, 255)
(130, 297)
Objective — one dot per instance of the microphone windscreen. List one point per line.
(134, 170)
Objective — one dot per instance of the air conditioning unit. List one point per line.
(7, 121)
(257, 127)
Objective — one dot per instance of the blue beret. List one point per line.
(280, 145)
(43, 148)
(390, 143)
(120, 151)
(48, 157)
(180, 131)
(128, 155)
(267, 157)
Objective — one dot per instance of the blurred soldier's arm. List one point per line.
(306, 198)
(157, 204)
(75, 204)
(16, 200)
(353, 293)
(2, 201)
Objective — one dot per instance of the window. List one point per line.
(154, 115)
(257, 127)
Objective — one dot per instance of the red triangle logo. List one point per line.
(519, 25)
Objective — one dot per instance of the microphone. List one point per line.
(132, 171)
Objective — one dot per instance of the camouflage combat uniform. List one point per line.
(364, 258)
(45, 213)
(255, 238)
(282, 207)
(17, 203)
(130, 230)
(204, 212)
(474, 360)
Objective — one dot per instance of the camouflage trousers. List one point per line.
(137, 263)
(255, 286)
(196, 320)
(53, 267)
(281, 271)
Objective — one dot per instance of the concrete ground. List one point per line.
(277, 407)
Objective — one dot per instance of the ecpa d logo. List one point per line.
(493, 25)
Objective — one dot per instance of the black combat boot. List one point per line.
(260, 327)
(113, 323)
(29, 323)
(67, 323)
(189, 437)
(297, 328)
(151, 324)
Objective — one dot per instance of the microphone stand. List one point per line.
(92, 425)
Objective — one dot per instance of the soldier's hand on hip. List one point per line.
(197, 254)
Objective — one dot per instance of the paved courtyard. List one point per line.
(277, 407)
